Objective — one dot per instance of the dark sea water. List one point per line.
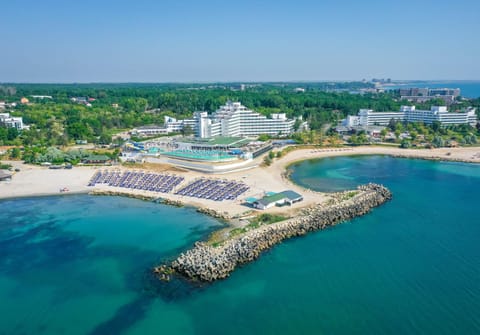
(469, 89)
(76, 264)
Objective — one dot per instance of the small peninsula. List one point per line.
(206, 262)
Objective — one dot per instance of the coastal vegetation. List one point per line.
(37, 155)
(267, 218)
(434, 135)
(218, 237)
(107, 109)
(5, 166)
(110, 107)
(260, 220)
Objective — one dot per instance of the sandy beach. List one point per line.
(37, 181)
(34, 180)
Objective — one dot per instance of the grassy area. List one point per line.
(5, 166)
(266, 218)
(262, 219)
(237, 231)
(349, 195)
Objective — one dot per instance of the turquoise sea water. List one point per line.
(75, 264)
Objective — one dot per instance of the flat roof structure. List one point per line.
(292, 195)
(202, 155)
(250, 200)
(278, 199)
(269, 199)
(217, 141)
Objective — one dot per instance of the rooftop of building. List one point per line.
(219, 140)
(271, 198)
(292, 195)
(288, 194)
(202, 155)
(403, 109)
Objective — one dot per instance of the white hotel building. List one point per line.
(367, 117)
(233, 119)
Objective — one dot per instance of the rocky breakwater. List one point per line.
(213, 213)
(122, 194)
(209, 263)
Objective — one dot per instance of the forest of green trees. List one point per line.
(59, 121)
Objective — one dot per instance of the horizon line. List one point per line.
(233, 81)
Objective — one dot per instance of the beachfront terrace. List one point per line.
(214, 189)
(137, 180)
(202, 155)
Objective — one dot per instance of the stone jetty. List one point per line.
(213, 213)
(122, 194)
(208, 263)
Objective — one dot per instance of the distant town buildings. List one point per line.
(444, 91)
(368, 117)
(4, 105)
(9, 121)
(8, 90)
(24, 101)
(416, 94)
(381, 81)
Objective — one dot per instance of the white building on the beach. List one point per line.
(287, 197)
(368, 117)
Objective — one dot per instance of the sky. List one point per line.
(204, 41)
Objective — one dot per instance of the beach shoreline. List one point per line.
(34, 181)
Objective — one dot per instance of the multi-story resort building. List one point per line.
(416, 94)
(231, 120)
(234, 119)
(368, 117)
(420, 91)
(11, 121)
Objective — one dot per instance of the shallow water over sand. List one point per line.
(79, 264)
